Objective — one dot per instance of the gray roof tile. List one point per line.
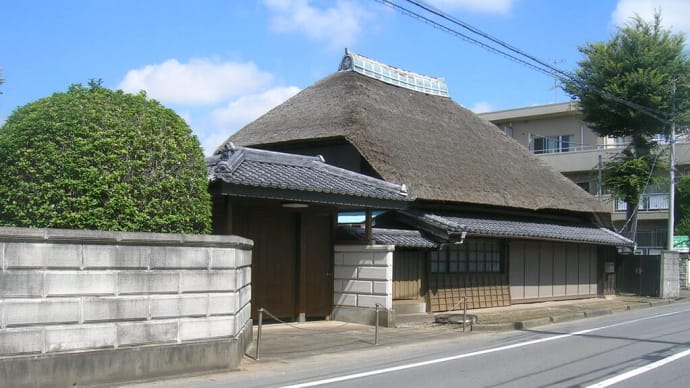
(515, 228)
(399, 237)
(274, 170)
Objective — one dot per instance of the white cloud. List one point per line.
(339, 25)
(674, 13)
(481, 107)
(245, 109)
(242, 111)
(198, 82)
(481, 6)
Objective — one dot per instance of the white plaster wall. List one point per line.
(363, 276)
(63, 290)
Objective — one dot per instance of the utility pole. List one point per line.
(672, 174)
(672, 190)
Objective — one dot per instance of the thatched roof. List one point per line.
(441, 150)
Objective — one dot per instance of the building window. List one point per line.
(508, 130)
(552, 144)
(472, 256)
(586, 186)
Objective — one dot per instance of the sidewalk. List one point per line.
(283, 342)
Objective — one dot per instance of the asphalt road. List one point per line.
(644, 348)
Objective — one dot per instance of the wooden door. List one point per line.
(274, 262)
(316, 293)
(409, 269)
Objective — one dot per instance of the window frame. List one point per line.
(474, 256)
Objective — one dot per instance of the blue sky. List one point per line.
(220, 63)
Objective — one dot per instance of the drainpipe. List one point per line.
(600, 180)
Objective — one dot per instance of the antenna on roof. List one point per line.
(392, 75)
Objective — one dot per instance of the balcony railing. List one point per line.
(648, 202)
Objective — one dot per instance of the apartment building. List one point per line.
(559, 137)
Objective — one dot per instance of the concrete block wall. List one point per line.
(67, 290)
(363, 277)
(670, 274)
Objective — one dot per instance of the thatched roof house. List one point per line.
(490, 223)
(441, 150)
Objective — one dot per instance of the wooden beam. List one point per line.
(368, 227)
(302, 282)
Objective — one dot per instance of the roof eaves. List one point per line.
(435, 224)
(393, 188)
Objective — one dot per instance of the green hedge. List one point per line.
(93, 158)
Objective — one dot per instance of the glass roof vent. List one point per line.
(392, 75)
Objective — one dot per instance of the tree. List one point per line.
(682, 208)
(93, 158)
(633, 86)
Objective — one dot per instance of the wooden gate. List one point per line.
(292, 260)
(316, 279)
(274, 262)
(639, 274)
(409, 272)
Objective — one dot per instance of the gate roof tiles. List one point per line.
(276, 171)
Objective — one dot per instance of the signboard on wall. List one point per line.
(681, 244)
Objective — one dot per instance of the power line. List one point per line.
(541, 66)
(556, 72)
(485, 35)
(458, 34)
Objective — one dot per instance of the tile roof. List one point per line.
(241, 166)
(514, 228)
(399, 237)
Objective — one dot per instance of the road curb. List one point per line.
(495, 326)
(519, 325)
(567, 317)
(597, 313)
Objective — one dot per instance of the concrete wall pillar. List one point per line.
(363, 277)
(670, 274)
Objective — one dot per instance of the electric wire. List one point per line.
(644, 190)
(458, 34)
(541, 66)
(554, 71)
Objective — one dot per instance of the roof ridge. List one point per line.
(265, 156)
(368, 180)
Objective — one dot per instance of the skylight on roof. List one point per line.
(392, 75)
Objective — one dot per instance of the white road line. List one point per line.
(471, 354)
(640, 370)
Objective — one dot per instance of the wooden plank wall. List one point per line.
(409, 270)
(543, 270)
(481, 289)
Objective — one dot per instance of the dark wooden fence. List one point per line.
(638, 274)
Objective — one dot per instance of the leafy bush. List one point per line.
(93, 158)
(682, 208)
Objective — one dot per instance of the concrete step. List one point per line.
(409, 307)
